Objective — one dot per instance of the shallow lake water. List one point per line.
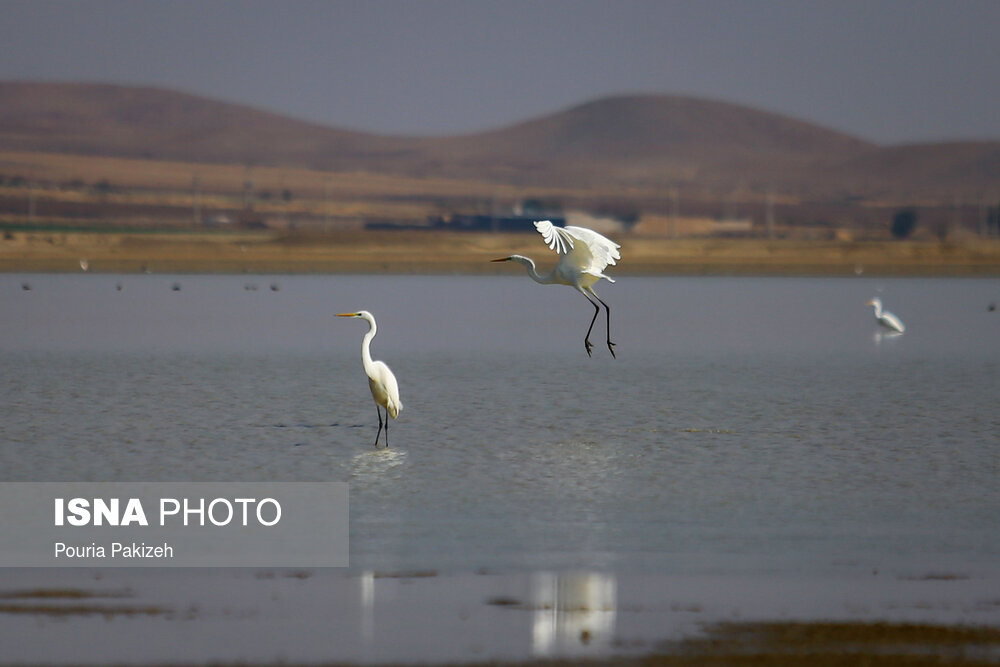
(750, 427)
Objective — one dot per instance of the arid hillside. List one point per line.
(123, 121)
(643, 142)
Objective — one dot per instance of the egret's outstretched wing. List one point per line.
(556, 238)
(584, 248)
(603, 249)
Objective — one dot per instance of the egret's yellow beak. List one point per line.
(347, 314)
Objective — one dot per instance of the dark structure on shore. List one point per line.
(476, 223)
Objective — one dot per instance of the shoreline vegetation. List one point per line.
(817, 644)
(445, 252)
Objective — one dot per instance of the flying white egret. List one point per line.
(885, 318)
(583, 256)
(381, 381)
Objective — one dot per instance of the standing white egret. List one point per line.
(885, 318)
(583, 256)
(381, 381)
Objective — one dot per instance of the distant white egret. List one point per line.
(583, 256)
(885, 318)
(381, 381)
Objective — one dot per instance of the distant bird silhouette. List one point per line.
(885, 318)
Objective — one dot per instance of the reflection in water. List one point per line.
(574, 612)
(376, 463)
(367, 590)
(885, 336)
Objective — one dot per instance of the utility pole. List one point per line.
(957, 222)
(196, 200)
(31, 202)
(674, 211)
(247, 187)
(981, 220)
(769, 214)
(326, 204)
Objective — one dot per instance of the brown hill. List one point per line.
(650, 141)
(646, 142)
(947, 171)
(123, 121)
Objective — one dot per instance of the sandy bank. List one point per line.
(443, 252)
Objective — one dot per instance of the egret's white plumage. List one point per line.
(381, 381)
(583, 256)
(885, 318)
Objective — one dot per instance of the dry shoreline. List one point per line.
(469, 253)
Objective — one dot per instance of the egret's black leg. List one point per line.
(607, 309)
(379, 413)
(586, 340)
(387, 428)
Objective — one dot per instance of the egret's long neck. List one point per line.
(366, 353)
(529, 264)
(878, 309)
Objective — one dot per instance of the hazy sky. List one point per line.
(890, 71)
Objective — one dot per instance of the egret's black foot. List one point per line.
(590, 347)
(611, 346)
